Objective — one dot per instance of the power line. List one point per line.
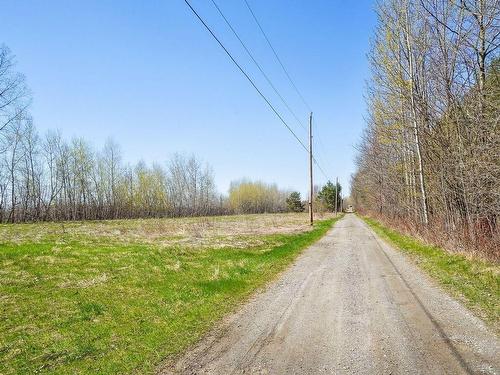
(288, 76)
(245, 74)
(253, 84)
(319, 167)
(322, 148)
(286, 73)
(258, 65)
(276, 55)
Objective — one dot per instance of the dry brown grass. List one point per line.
(456, 241)
(237, 231)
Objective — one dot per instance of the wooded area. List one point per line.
(47, 177)
(430, 155)
(50, 178)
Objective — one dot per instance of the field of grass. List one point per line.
(118, 297)
(475, 282)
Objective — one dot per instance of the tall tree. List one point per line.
(430, 151)
(294, 202)
(330, 193)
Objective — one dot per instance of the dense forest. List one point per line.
(47, 177)
(429, 159)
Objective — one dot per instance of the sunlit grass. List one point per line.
(474, 281)
(109, 298)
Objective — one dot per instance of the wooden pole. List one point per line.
(311, 187)
(336, 194)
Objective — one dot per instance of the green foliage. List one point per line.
(82, 302)
(294, 202)
(423, 159)
(256, 197)
(328, 194)
(492, 86)
(475, 281)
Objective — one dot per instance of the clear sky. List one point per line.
(148, 75)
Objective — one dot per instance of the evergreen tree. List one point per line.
(327, 195)
(294, 202)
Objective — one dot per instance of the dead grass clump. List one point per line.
(216, 232)
(85, 283)
(453, 240)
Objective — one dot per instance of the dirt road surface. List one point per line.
(350, 304)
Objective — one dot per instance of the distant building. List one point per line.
(349, 209)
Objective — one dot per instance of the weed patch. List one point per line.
(476, 282)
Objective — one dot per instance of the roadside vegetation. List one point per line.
(115, 297)
(429, 155)
(474, 281)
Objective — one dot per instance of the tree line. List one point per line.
(46, 177)
(430, 154)
(247, 196)
(49, 178)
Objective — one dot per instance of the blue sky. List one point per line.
(148, 75)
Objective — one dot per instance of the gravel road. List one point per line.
(350, 304)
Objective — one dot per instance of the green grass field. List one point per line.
(118, 297)
(475, 282)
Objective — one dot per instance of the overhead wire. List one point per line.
(321, 169)
(252, 82)
(276, 55)
(258, 65)
(284, 70)
(246, 75)
(320, 146)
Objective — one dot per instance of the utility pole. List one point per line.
(336, 194)
(311, 187)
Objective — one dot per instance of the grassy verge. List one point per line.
(474, 281)
(93, 298)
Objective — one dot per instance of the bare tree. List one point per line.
(14, 94)
(432, 144)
